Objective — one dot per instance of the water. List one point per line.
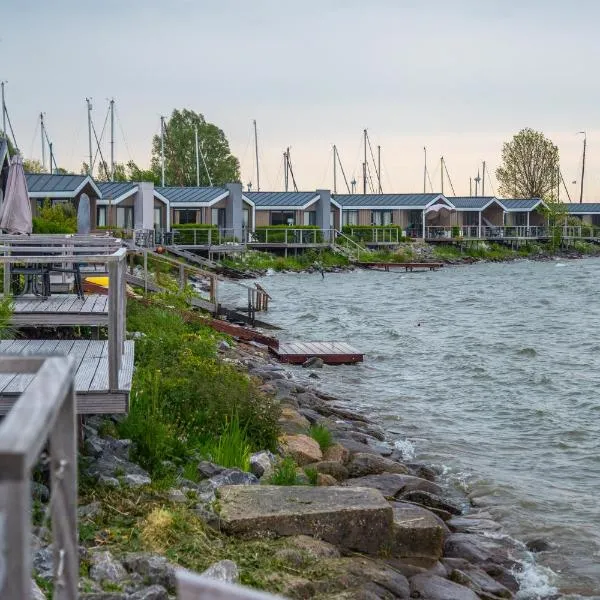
(488, 370)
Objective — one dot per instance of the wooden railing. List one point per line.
(375, 235)
(84, 250)
(45, 411)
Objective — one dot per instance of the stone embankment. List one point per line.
(380, 526)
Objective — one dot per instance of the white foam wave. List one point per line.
(406, 447)
(536, 582)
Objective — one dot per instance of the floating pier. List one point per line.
(431, 266)
(331, 353)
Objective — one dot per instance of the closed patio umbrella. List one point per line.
(15, 213)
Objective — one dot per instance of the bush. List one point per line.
(312, 474)
(295, 234)
(455, 231)
(285, 473)
(322, 435)
(58, 218)
(367, 233)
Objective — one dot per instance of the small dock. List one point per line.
(431, 266)
(331, 353)
(60, 310)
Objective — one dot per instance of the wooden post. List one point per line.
(123, 292)
(63, 450)
(181, 277)
(6, 282)
(113, 326)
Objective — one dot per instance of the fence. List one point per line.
(45, 411)
(374, 235)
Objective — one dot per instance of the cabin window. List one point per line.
(245, 218)
(101, 216)
(219, 217)
(350, 217)
(158, 217)
(310, 217)
(282, 218)
(184, 217)
(125, 217)
(520, 218)
(381, 217)
(470, 218)
(596, 220)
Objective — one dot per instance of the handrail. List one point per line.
(44, 411)
(339, 234)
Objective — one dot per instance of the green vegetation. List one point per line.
(60, 218)
(284, 473)
(263, 261)
(402, 255)
(6, 311)
(184, 399)
(322, 435)
(292, 233)
(368, 233)
(312, 474)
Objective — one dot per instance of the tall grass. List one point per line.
(284, 473)
(231, 448)
(321, 435)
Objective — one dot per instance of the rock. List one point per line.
(354, 518)
(372, 464)
(104, 568)
(291, 421)
(393, 484)
(538, 545)
(156, 570)
(314, 548)
(89, 511)
(313, 376)
(479, 581)
(314, 362)
(432, 587)
(326, 480)
(154, 592)
(104, 596)
(106, 481)
(36, 592)
(136, 480)
(177, 496)
(429, 500)
(353, 447)
(336, 453)
(233, 477)
(312, 415)
(467, 524)
(43, 563)
(224, 570)
(261, 463)
(333, 468)
(422, 471)
(502, 575)
(39, 491)
(418, 534)
(207, 469)
(303, 449)
(223, 346)
(478, 549)
(290, 556)
(301, 477)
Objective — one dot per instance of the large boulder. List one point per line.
(337, 453)
(333, 468)
(262, 463)
(233, 477)
(153, 568)
(292, 422)
(418, 534)
(433, 587)
(313, 548)
(393, 484)
(104, 568)
(479, 581)
(479, 549)
(371, 464)
(353, 518)
(224, 570)
(302, 448)
(430, 500)
(154, 592)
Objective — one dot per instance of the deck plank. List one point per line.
(330, 352)
(89, 365)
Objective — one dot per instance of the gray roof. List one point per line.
(298, 199)
(46, 183)
(587, 208)
(115, 189)
(471, 202)
(517, 204)
(392, 200)
(195, 195)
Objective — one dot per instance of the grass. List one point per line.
(312, 474)
(263, 261)
(321, 435)
(284, 473)
(185, 401)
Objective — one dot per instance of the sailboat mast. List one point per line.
(442, 172)
(256, 153)
(379, 167)
(286, 172)
(582, 167)
(89, 111)
(483, 181)
(425, 170)
(365, 164)
(197, 158)
(43, 143)
(334, 169)
(112, 139)
(3, 110)
(162, 151)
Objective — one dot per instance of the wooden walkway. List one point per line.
(60, 310)
(91, 378)
(432, 266)
(332, 353)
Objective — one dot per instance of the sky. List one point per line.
(459, 77)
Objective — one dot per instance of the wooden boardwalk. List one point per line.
(332, 353)
(60, 310)
(432, 266)
(91, 378)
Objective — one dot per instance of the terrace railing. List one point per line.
(45, 411)
(207, 236)
(375, 235)
(289, 236)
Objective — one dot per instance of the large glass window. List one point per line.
(310, 217)
(282, 217)
(471, 218)
(185, 216)
(596, 220)
(218, 217)
(520, 218)
(350, 217)
(101, 216)
(158, 217)
(125, 217)
(381, 217)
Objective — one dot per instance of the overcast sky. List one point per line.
(457, 76)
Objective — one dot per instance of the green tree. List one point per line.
(180, 152)
(31, 165)
(529, 167)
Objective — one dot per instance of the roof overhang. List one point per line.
(191, 204)
(481, 208)
(159, 196)
(110, 200)
(71, 193)
(522, 209)
(247, 200)
(336, 204)
(288, 207)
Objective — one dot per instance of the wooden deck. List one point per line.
(432, 266)
(332, 353)
(91, 379)
(60, 310)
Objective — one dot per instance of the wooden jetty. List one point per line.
(60, 310)
(431, 266)
(332, 353)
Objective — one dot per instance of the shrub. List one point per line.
(57, 218)
(455, 231)
(322, 435)
(312, 474)
(231, 449)
(368, 233)
(295, 234)
(284, 473)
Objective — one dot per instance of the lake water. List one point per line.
(490, 371)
